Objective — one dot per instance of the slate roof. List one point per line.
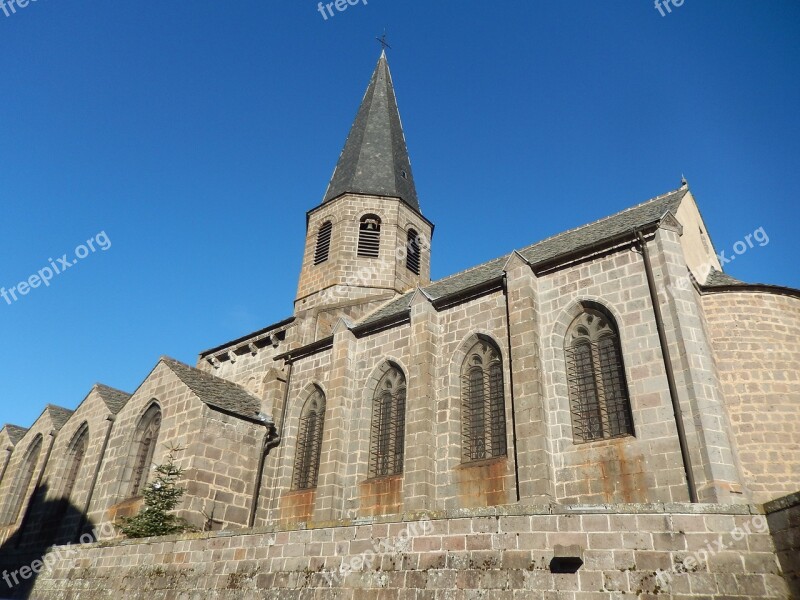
(214, 391)
(375, 157)
(114, 399)
(15, 433)
(59, 415)
(718, 279)
(568, 242)
(587, 236)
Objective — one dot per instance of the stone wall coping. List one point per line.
(784, 503)
(668, 508)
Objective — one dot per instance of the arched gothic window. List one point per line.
(323, 243)
(483, 403)
(599, 400)
(309, 442)
(413, 252)
(144, 448)
(388, 424)
(369, 236)
(75, 456)
(57, 519)
(23, 481)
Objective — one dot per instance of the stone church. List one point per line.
(606, 399)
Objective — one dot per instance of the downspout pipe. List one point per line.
(511, 381)
(673, 388)
(26, 516)
(269, 444)
(259, 477)
(93, 484)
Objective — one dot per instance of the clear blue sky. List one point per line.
(197, 134)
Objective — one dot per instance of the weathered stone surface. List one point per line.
(413, 557)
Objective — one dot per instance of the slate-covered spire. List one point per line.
(375, 158)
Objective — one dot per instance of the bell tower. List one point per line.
(368, 241)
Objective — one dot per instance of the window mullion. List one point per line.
(600, 389)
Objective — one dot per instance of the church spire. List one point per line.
(375, 157)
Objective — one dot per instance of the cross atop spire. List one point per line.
(384, 44)
(375, 159)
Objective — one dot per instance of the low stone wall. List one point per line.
(504, 553)
(783, 516)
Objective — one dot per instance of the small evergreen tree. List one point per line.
(160, 498)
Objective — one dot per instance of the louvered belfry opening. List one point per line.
(369, 236)
(599, 399)
(146, 439)
(309, 442)
(23, 481)
(413, 253)
(483, 403)
(323, 243)
(387, 443)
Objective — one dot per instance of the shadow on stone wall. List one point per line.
(46, 523)
(783, 516)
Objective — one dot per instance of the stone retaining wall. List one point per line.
(628, 551)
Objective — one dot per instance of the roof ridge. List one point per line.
(467, 270)
(507, 254)
(113, 389)
(606, 218)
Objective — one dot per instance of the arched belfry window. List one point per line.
(23, 481)
(483, 403)
(369, 236)
(599, 400)
(323, 243)
(75, 455)
(413, 252)
(309, 442)
(386, 444)
(144, 447)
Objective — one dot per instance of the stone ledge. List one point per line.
(511, 510)
(784, 503)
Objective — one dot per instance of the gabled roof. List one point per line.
(564, 244)
(114, 399)
(216, 392)
(15, 433)
(375, 157)
(58, 414)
